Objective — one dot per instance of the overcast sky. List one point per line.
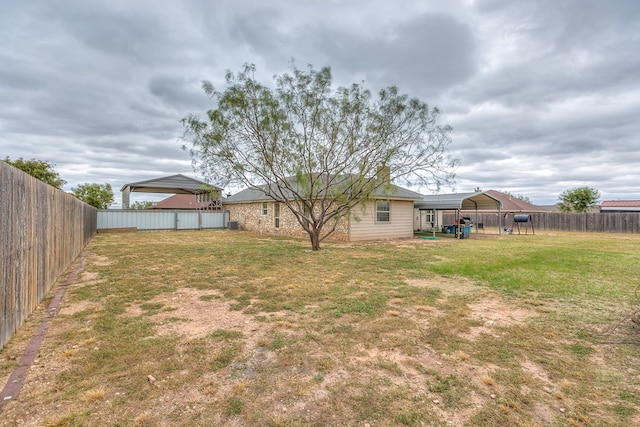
(543, 96)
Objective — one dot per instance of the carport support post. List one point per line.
(125, 197)
(475, 221)
(434, 223)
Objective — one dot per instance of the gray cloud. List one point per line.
(427, 54)
(542, 95)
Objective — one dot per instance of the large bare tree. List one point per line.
(318, 150)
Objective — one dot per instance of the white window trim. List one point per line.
(379, 211)
(276, 214)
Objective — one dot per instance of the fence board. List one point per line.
(42, 231)
(609, 222)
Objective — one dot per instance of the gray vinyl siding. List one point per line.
(363, 225)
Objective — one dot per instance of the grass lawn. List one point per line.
(231, 328)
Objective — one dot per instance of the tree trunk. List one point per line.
(314, 236)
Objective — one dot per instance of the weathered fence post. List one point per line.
(42, 231)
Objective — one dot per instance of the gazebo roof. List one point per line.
(174, 184)
(461, 201)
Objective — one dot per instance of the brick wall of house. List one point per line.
(250, 217)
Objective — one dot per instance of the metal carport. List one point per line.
(475, 201)
(174, 184)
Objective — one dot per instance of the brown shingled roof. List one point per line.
(180, 201)
(513, 204)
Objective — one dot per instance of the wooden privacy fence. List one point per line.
(610, 222)
(42, 231)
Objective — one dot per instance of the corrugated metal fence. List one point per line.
(161, 219)
(42, 231)
(610, 222)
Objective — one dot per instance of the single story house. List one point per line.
(387, 215)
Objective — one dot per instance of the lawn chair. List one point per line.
(481, 226)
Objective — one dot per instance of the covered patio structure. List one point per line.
(476, 201)
(175, 184)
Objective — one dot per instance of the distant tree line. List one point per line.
(97, 195)
(579, 199)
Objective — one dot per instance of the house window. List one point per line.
(276, 215)
(429, 217)
(307, 212)
(383, 211)
(265, 209)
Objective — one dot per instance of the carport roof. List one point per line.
(461, 201)
(174, 184)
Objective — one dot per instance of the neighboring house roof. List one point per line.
(462, 201)
(550, 208)
(177, 184)
(251, 195)
(513, 204)
(180, 201)
(248, 195)
(620, 205)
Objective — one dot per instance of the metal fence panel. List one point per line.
(149, 220)
(142, 220)
(189, 220)
(215, 219)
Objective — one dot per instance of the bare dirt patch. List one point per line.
(69, 309)
(88, 277)
(193, 313)
(537, 372)
(101, 261)
(494, 312)
(448, 285)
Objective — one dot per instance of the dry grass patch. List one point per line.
(96, 394)
(486, 379)
(448, 285)
(235, 329)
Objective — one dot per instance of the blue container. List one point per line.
(449, 229)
